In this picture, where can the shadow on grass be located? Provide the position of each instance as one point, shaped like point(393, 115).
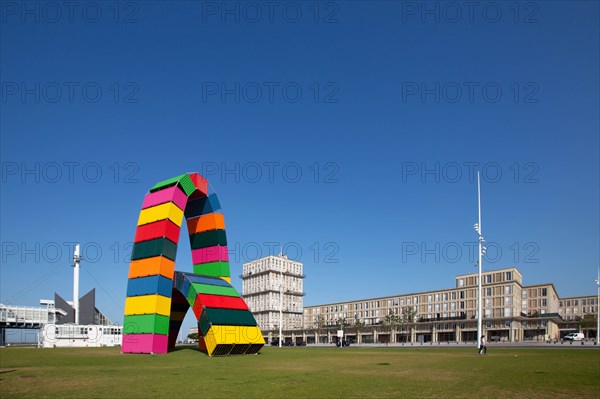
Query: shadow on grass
point(7, 371)
point(186, 348)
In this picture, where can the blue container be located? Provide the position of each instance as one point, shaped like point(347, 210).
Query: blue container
point(199, 279)
point(202, 206)
point(185, 287)
point(149, 285)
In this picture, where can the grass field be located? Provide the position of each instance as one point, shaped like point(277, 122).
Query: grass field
point(302, 372)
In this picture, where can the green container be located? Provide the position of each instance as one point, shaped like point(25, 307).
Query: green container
point(187, 184)
point(156, 247)
point(192, 294)
point(168, 183)
point(224, 317)
point(216, 269)
point(146, 324)
point(208, 239)
point(184, 181)
point(213, 290)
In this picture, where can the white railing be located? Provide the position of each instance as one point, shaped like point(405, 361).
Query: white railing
point(26, 314)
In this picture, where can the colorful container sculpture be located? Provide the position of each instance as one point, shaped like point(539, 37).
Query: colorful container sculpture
point(158, 297)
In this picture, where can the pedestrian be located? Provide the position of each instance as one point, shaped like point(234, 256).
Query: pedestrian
point(482, 347)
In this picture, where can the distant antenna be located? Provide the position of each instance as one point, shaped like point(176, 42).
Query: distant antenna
point(76, 260)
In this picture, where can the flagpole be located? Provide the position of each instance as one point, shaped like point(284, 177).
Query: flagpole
point(480, 239)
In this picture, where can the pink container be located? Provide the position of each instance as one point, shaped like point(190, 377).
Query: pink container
point(173, 194)
point(209, 254)
point(145, 343)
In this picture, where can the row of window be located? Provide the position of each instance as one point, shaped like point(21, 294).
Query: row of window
point(575, 302)
point(487, 279)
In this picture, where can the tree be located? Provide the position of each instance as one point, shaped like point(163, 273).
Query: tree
point(357, 327)
point(342, 323)
point(193, 336)
point(319, 324)
point(408, 317)
point(587, 321)
point(392, 321)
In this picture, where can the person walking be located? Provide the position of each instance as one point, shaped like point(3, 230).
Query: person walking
point(482, 347)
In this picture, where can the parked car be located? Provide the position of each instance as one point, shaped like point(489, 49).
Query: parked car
point(301, 343)
point(573, 337)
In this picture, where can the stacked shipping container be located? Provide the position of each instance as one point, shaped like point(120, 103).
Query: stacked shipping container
point(157, 302)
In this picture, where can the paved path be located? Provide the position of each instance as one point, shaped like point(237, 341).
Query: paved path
point(525, 344)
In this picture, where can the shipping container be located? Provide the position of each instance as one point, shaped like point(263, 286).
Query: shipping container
point(156, 247)
point(211, 221)
point(149, 285)
point(210, 254)
point(171, 194)
point(159, 212)
point(195, 278)
point(147, 304)
point(200, 183)
point(207, 239)
point(184, 181)
point(152, 266)
point(202, 206)
point(162, 228)
point(225, 317)
point(223, 302)
point(146, 324)
point(145, 343)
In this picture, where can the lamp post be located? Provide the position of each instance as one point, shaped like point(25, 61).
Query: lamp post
point(280, 305)
point(598, 310)
point(482, 250)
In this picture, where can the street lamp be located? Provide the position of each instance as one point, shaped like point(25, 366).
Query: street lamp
point(598, 310)
point(280, 306)
point(482, 251)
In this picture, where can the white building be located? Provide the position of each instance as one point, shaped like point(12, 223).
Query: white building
point(262, 281)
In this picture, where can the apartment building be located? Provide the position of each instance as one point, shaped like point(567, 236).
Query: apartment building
point(511, 312)
point(270, 284)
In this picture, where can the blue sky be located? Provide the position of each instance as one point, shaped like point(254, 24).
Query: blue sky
point(348, 133)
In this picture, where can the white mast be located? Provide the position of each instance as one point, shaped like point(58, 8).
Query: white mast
point(280, 298)
point(479, 331)
point(482, 250)
point(598, 310)
point(76, 259)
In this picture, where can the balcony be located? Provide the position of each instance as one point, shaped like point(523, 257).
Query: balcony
point(264, 272)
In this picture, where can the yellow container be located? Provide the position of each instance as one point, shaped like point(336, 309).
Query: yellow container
point(159, 212)
point(218, 335)
point(228, 279)
point(147, 304)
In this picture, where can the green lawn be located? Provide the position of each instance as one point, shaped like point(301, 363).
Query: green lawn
point(302, 372)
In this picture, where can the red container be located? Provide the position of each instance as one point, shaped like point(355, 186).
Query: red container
point(162, 228)
point(200, 182)
point(223, 302)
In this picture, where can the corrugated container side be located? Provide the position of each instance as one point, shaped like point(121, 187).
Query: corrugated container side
point(208, 239)
point(216, 269)
point(162, 228)
point(210, 254)
point(156, 247)
point(171, 194)
point(167, 183)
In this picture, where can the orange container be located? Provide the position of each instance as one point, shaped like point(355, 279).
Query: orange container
point(211, 221)
point(151, 267)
